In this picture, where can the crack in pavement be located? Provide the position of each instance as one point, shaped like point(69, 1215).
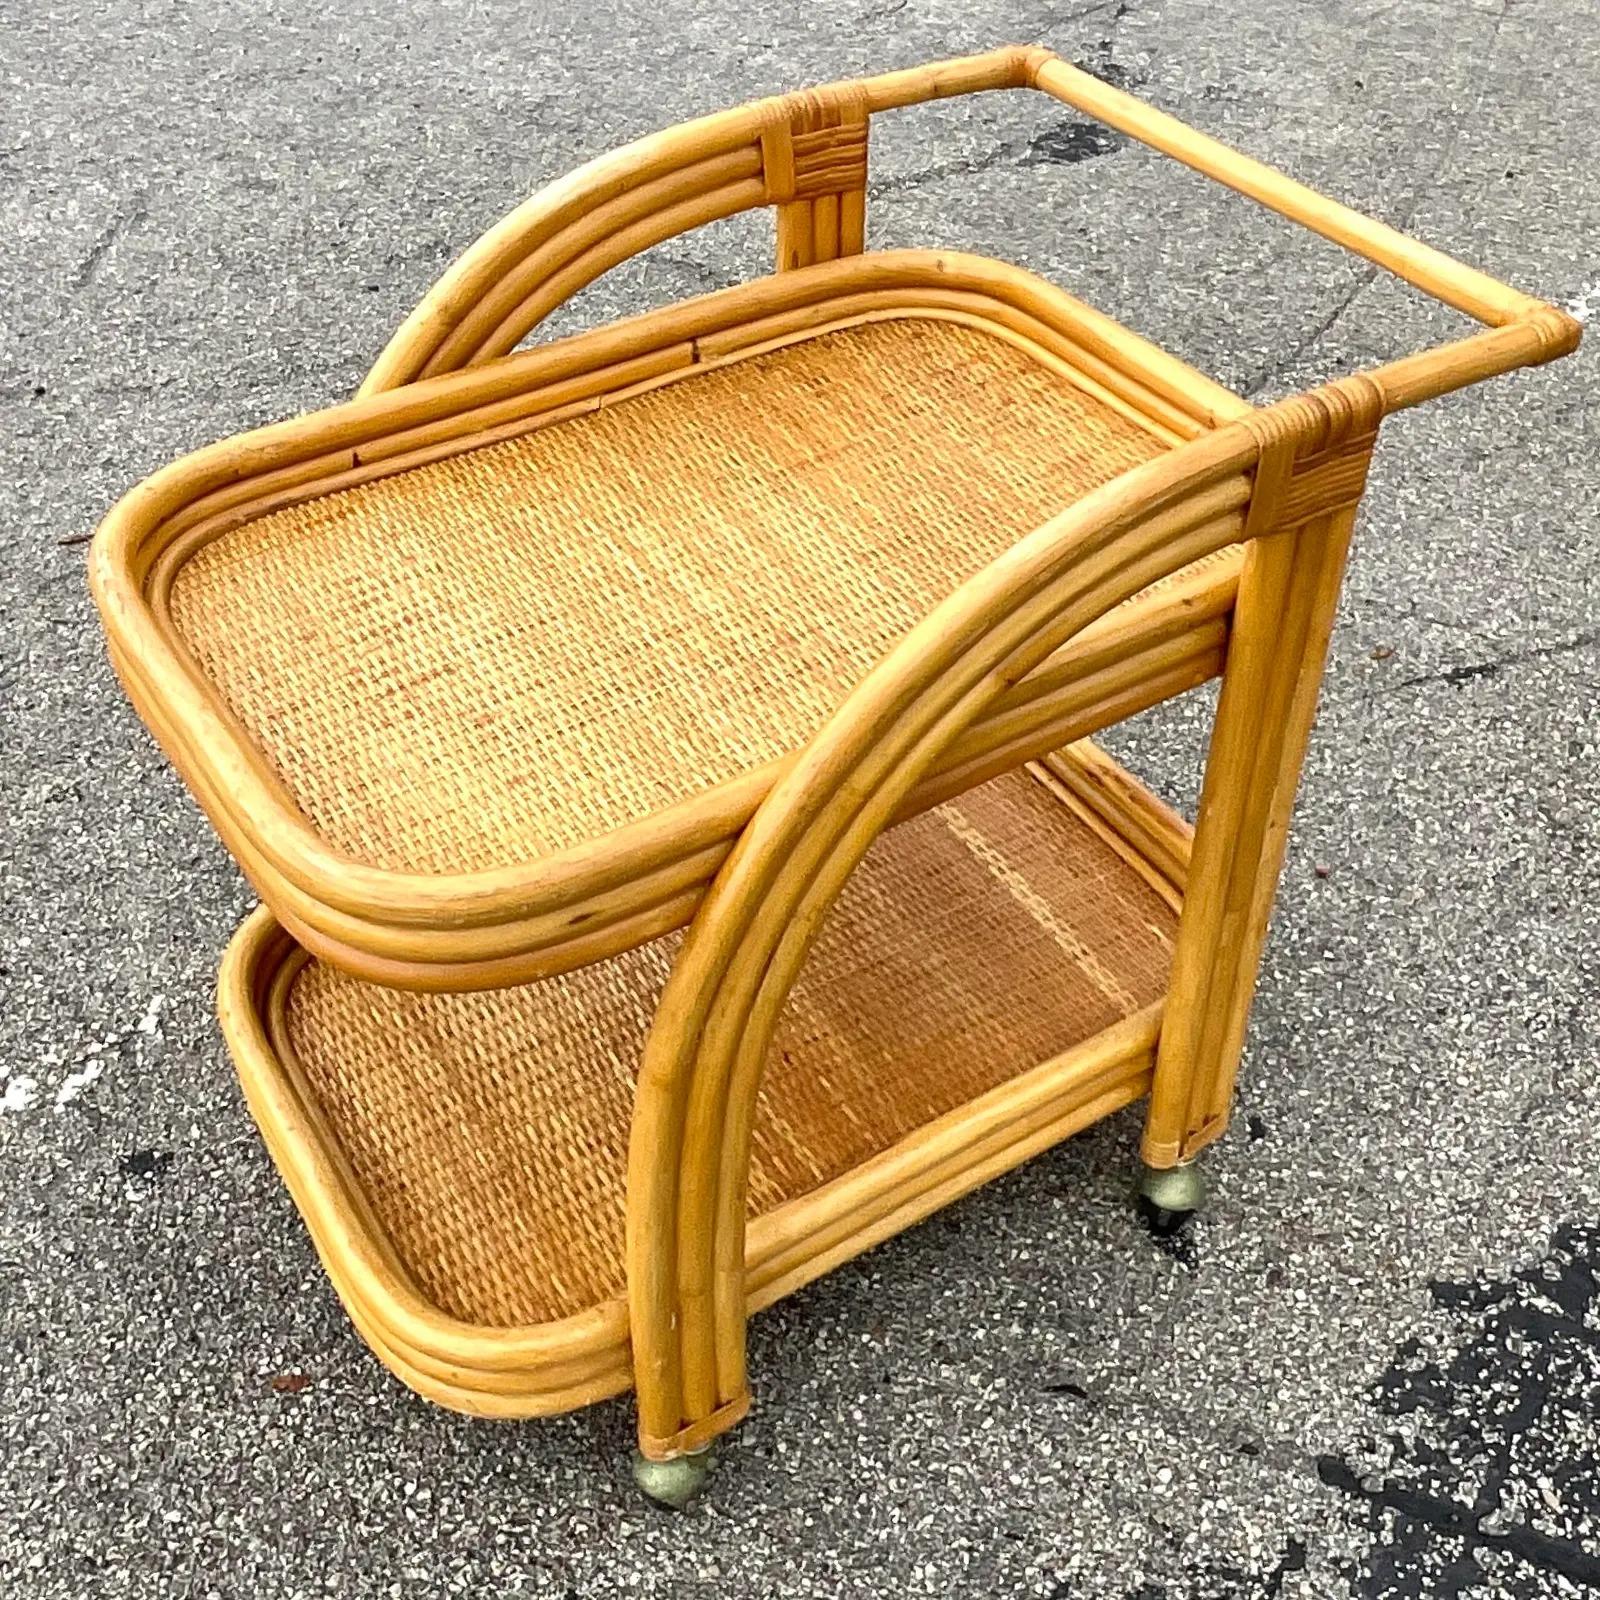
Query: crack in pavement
point(1487, 669)
point(1252, 385)
point(966, 166)
point(697, 270)
point(1411, 611)
point(107, 238)
point(1060, 19)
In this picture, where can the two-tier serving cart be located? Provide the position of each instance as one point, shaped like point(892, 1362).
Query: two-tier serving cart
point(662, 753)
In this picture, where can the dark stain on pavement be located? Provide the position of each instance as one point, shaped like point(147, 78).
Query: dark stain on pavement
point(1486, 1486)
point(1181, 1245)
point(1070, 141)
point(144, 1165)
point(1490, 1472)
point(1075, 139)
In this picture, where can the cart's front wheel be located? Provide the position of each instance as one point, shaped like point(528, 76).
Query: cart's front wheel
point(672, 1483)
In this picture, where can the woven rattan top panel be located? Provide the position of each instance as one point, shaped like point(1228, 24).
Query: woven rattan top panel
point(489, 1131)
point(485, 659)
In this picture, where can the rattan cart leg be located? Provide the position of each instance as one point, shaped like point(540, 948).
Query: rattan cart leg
point(1311, 474)
point(1286, 601)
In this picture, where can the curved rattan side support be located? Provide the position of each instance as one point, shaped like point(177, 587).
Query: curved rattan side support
point(803, 153)
point(690, 1143)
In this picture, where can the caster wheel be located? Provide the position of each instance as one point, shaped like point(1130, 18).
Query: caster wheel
point(673, 1483)
point(1168, 1197)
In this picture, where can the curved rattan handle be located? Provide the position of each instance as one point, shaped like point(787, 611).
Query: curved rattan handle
point(566, 236)
point(804, 154)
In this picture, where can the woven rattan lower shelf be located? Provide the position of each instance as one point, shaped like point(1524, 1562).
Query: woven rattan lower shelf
point(461, 1160)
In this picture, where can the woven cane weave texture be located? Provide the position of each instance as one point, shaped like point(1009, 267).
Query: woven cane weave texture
point(488, 658)
point(490, 1130)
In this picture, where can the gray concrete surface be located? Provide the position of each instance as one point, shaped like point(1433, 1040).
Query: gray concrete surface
point(1375, 1373)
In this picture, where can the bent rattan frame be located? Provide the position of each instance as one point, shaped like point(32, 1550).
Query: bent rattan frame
point(1061, 635)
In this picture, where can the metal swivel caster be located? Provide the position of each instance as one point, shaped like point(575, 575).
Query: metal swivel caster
point(676, 1482)
point(1169, 1196)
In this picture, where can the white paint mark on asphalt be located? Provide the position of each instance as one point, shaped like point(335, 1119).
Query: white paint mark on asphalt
point(1585, 303)
point(20, 1093)
point(75, 1083)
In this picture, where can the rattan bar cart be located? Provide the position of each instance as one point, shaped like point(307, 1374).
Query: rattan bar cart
point(782, 616)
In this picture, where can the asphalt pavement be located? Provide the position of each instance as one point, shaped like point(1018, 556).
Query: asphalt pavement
point(1374, 1367)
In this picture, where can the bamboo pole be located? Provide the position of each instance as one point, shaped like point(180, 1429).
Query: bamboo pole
point(1154, 830)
